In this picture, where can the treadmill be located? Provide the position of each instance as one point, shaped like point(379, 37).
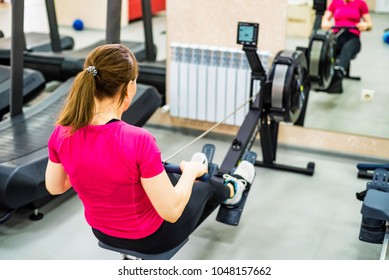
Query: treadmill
point(24, 136)
point(41, 42)
point(33, 80)
point(64, 64)
point(33, 83)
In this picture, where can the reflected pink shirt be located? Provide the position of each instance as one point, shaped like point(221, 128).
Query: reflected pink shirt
point(348, 14)
point(105, 164)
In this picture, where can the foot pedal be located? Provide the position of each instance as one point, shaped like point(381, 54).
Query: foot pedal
point(228, 214)
point(209, 151)
point(379, 181)
point(250, 157)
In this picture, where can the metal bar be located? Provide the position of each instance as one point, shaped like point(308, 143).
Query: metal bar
point(17, 64)
point(254, 61)
point(148, 28)
point(320, 6)
point(242, 142)
point(268, 143)
point(114, 13)
point(53, 25)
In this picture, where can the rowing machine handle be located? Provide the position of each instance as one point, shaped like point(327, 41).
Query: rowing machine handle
point(174, 168)
point(344, 27)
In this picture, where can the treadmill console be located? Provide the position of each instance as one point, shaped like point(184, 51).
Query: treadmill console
point(247, 34)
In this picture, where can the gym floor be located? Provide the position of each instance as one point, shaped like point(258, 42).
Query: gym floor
point(287, 216)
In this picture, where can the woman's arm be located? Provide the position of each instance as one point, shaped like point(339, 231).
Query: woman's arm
point(168, 200)
point(366, 23)
point(326, 20)
point(57, 181)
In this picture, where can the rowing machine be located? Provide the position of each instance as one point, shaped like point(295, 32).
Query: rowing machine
point(229, 215)
point(281, 97)
point(375, 210)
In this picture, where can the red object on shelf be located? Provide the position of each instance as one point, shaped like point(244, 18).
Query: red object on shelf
point(135, 8)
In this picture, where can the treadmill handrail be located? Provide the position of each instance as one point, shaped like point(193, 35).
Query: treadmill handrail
point(112, 31)
point(17, 49)
point(148, 29)
point(53, 25)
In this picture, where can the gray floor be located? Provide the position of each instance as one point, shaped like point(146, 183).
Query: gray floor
point(287, 216)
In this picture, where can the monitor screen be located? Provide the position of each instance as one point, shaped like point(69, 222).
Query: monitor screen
point(247, 33)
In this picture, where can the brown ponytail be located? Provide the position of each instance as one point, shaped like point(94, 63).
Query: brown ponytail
point(107, 70)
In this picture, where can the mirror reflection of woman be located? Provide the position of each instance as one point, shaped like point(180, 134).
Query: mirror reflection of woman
point(346, 13)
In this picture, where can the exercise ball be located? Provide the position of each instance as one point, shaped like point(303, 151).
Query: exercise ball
point(78, 24)
point(386, 37)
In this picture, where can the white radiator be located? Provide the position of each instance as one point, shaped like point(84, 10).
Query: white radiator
point(209, 83)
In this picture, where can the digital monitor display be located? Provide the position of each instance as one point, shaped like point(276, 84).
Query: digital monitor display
point(247, 33)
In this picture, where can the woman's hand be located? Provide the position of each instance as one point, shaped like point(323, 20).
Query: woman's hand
point(326, 25)
point(363, 26)
point(171, 201)
point(196, 166)
point(326, 20)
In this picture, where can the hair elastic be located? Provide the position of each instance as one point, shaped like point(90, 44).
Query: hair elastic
point(92, 69)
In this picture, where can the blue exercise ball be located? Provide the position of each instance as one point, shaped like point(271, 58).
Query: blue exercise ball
point(386, 37)
point(78, 24)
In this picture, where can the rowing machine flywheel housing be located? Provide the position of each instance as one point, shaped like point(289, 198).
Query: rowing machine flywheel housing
point(321, 58)
point(289, 77)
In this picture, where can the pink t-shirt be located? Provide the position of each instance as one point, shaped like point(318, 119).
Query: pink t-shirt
point(105, 164)
point(348, 14)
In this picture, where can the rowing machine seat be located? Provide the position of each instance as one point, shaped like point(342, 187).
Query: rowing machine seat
point(134, 255)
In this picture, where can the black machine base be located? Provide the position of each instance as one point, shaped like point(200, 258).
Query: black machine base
point(309, 170)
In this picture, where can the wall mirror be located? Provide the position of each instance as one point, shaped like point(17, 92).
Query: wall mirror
point(362, 108)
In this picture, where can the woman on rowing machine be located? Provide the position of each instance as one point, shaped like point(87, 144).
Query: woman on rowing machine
point(116, 168)
point(354, 17)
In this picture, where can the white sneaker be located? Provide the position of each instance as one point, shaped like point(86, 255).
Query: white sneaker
point(242, 176)
point(200, 157)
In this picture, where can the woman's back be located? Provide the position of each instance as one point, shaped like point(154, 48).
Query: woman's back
point(105, 164)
